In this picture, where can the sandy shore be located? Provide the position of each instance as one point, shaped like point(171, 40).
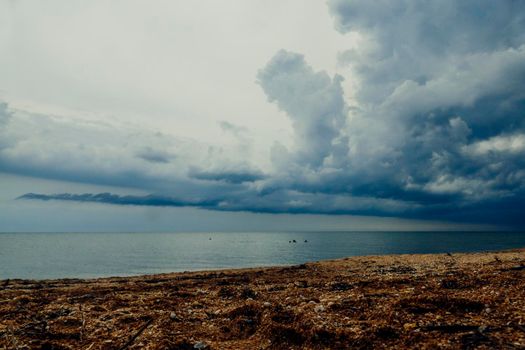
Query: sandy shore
point(459, 301)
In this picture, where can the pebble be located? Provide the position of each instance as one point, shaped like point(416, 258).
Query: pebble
point(173, 316)
point(200, 345)
point(319, 308)
point(267, 304)
point(409, 326)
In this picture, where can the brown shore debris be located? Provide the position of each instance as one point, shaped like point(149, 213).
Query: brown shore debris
point(434, 301)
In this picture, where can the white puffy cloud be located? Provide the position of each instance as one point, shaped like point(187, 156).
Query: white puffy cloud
point(513, 144)
point(313, 100)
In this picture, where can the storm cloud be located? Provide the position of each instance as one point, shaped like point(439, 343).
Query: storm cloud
point(438, 116)
point(438, 82)
point(434, 127)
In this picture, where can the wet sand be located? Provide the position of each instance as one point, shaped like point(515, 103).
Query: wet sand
point(449, 301)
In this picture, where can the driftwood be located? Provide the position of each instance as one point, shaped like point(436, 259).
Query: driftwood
point(451, 328)
point(135, 336)
point(515, 268)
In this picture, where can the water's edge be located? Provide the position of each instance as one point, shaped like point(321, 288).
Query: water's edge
point(97, 255)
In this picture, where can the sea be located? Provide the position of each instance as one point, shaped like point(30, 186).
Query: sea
point(89, 255)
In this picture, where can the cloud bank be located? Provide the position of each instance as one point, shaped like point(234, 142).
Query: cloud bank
point(435, 127)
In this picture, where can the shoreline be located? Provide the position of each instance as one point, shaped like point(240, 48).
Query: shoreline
point(247, 269)
point(460, 300)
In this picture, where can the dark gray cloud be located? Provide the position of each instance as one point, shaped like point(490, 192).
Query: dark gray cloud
point(154, 156)
point(232, 176)
point(501, 211)
point(108, 198)
point(281, 201)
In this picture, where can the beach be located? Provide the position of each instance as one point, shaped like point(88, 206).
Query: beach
point(449, 301)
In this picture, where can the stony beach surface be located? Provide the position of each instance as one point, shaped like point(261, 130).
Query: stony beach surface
point(436, 301)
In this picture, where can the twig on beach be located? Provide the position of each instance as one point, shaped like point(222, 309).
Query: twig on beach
point(450, 328)
point(83, 323)
point(132, 339)
point(515, 268)
point(519, 327)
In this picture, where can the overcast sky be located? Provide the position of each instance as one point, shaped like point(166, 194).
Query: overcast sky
point(262, 115)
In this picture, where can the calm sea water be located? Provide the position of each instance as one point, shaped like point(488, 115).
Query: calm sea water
point(60, 255)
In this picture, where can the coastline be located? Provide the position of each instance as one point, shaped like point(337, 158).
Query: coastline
point(464, 300)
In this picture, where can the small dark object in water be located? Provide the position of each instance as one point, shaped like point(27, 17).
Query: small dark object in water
point(289, 241)
point(294, 241)
point(305, 241)
point(210, 238)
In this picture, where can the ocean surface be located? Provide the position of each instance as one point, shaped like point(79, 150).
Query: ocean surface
point(84, 255)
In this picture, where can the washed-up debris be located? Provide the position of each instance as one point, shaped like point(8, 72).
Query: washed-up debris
point(340, 286)
point(388, 302)
point(515, 268)
point(451, 328)
point(200, 345)
point(135, 336)
point(319, 308)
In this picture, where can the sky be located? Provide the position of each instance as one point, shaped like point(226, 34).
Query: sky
point(262, 115)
